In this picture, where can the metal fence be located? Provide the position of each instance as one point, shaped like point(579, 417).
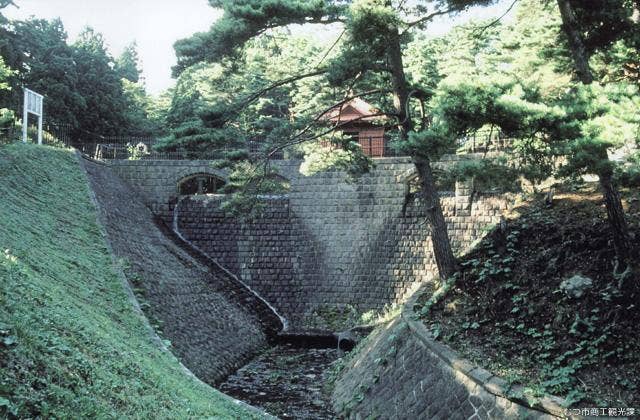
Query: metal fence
point(136, 148)
point(140, 151)
point(60, 133)
point(476, 142)
point(482, 141)
point(9, 134)
point(52, 133)
point(143, 147)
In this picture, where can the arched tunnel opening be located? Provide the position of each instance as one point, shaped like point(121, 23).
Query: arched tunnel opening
point(200, 183)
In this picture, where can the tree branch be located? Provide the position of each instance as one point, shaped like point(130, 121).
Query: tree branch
point(296, 139)
point(279, 83)
point(480, 31)
point(571, 28)
point(419, 94)
point(5, 3)
point(430, 16)
point(327, 21)
point(336, 127)
point(330, 48)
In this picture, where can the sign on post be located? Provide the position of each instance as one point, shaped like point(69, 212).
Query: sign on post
point(32, 104)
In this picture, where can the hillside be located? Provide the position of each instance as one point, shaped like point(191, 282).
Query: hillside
point(538, 303)
point(71, 344)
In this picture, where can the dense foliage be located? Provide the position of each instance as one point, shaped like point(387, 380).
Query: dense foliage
point(84, 87)
point(262, 90)
point(513, 310)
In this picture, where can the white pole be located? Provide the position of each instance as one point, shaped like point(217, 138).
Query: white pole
point(25, 118)
point(40, 118)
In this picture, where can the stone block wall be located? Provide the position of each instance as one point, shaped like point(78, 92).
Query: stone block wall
point(399, 372)
point(269, 253)
point(336, 243)
point(214, 323)
point(156, 181)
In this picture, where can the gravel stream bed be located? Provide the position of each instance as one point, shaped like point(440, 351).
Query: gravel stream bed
point(286, 381)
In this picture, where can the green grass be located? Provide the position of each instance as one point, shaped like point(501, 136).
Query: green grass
point(71, 345)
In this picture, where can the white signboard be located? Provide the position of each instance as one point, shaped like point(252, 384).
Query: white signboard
point(32, 104)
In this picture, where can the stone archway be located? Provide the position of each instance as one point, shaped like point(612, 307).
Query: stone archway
point(199, 183)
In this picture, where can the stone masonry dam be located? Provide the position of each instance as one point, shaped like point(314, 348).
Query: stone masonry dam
point(331, 245)
point(313, 261)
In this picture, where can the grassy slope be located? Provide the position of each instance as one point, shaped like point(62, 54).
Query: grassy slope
point(70, 343)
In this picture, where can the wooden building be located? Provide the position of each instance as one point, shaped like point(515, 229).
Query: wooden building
point(361, 121)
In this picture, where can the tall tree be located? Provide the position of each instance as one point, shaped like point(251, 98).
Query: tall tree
point(127, 65)
point(43, 61)
point(7, 116)
point(572, 30)
point(376, 35)
point(137, 110)
point(205, 91)
point(99, 85)
point(591, 153)
point(5, 74)
point(137, 101)
point(79, 82)
point(3, 22)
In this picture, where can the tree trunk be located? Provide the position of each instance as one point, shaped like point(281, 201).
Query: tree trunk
point(576, 43)
point(617, 222)
point(613, 204)
point(400, 87)
point(445, 260)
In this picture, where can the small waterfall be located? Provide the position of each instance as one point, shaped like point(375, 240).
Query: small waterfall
point(176, 230)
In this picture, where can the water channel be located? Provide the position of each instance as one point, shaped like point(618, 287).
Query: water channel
point(287, 380)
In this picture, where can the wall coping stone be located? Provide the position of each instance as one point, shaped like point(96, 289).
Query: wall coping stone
point(287, 162)
point(495, 385)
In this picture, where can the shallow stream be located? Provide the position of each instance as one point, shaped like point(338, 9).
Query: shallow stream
point(287, 381)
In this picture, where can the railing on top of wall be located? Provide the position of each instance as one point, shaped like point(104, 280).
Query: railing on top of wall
point(477, 142)
point(485, 141)
point(142, 147)
point(136, 148)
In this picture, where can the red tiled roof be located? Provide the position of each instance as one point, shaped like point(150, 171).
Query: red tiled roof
point(352, 110)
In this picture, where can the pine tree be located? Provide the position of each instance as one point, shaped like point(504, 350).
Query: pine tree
point(376, 35)
point(99, 85)
point(127, 65)
point(592, 153)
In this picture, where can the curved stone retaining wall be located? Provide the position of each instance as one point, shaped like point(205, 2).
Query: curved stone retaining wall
point(213, 323)
point(401, 373)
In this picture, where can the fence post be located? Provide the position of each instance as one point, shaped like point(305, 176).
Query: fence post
point(40, 118)
point(25, 118)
